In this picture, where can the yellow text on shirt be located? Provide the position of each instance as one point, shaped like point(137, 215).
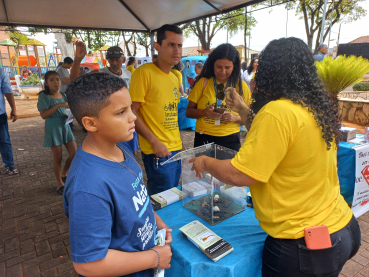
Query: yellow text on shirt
point(159, 97)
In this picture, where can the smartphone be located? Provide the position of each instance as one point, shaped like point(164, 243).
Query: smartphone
point(317, 237)
point(219, 110)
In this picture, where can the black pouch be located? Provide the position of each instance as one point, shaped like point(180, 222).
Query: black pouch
point(320, 262)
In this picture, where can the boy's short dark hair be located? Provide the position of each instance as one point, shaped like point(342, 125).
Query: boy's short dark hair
point(89, 94)
point(160, 34)
point(68, 60)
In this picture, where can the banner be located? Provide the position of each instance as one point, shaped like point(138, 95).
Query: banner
point(360, 204)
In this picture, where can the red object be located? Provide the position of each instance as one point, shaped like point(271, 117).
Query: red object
point(26, 74)
point(317, 237)
point(365, 173)
point(190, 80)
point(92, 66)
point(22, 60)
point(364, 202)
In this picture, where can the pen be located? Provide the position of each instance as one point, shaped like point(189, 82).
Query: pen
point(157, 162)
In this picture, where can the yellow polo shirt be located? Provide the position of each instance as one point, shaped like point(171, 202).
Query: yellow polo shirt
point(206, 97)
point(297, 176)
point(159, 97)
point(131, 68)
point(178, 74)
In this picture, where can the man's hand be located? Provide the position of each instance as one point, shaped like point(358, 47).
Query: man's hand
point(198, 165)
point(234, 101)
point(209, 113)
point(80, 50)
point(13, 116)
point(160, 150)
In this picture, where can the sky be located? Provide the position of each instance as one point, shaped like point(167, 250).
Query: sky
point(271, 25)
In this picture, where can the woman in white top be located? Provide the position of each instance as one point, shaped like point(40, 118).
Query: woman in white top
point(247, 75)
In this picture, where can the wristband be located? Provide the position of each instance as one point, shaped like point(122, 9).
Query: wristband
point(157, 269)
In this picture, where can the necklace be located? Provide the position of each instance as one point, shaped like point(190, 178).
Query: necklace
point(124, 152)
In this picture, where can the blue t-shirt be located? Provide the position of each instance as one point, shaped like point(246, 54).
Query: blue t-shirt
point(5, 87)
point(108, 208)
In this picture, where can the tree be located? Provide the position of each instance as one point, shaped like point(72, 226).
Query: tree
point(144, 40)
point(206, 29)
point(311, 11)
point(19, 38)
point(127, 41)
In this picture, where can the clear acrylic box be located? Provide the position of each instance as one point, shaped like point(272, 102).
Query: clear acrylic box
point(209, 198)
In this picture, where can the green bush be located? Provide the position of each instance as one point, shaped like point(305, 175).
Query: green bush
point(361, 87)
point(31, 80)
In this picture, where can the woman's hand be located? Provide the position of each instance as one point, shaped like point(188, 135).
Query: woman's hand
point(209, 113)
point(230, 117)
point(234, 101)
point(165, 253)
point(198, 165)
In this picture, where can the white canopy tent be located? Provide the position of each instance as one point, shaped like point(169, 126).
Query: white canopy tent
point(124, 15)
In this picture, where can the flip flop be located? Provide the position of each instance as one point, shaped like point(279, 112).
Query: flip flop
point(60, 190)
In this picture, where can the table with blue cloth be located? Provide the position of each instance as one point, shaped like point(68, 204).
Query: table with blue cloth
point(183, 121)
point(242, 231)
point(346, 158)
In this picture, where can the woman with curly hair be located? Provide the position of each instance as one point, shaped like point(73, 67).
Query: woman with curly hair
point(289, 162)
point(215, 121)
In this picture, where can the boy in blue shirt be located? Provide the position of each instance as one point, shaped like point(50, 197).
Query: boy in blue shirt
point(111, 221)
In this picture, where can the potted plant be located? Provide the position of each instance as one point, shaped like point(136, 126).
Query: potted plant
point(342, 72)
point(31, 86)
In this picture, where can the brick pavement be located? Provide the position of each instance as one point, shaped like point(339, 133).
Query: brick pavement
point(33, 226)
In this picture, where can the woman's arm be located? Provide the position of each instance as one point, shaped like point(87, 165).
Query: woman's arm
point(223, 170)
point(119, 263)
point(193, 112)
point(235, 102)
point(47, 113)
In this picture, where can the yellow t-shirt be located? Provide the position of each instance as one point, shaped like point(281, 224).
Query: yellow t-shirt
point(205, 98)
point(159, 97)
point(178, 74)
point(131, 68)
point(297, 177)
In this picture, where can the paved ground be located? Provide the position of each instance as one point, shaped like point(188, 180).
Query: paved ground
point(33, 227)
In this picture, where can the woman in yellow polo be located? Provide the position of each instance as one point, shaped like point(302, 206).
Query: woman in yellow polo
point(289, 161)
point(131, 64)
point(215, 121)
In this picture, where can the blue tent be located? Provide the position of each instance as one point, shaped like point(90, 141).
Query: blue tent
point(188, 73)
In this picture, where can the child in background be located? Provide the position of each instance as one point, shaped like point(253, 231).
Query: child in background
point(52, 104)
point(111, 221)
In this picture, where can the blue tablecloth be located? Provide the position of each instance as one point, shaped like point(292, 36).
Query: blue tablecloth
point(346, 170)
point(183, 121)
point(242, 231)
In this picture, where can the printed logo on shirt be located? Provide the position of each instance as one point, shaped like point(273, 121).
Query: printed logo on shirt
point(171, 116)
point(137, 182)
point(175, 92)
point(141, 201)
point(146, 232)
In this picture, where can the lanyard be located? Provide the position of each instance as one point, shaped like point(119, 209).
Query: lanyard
point(218, 102)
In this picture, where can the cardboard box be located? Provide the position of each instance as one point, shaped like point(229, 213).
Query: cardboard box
point(348, 133)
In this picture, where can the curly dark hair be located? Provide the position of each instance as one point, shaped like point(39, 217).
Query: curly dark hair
point(223, 51)
point(89, 94)
point(286, 69)
point(250, 68)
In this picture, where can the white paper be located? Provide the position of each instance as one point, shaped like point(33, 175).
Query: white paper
point(161, 242)
point(169, 196)
point(70, 116)
point(360, 203)
point(217, 121)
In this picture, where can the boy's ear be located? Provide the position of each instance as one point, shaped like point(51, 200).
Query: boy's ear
point(89, 122)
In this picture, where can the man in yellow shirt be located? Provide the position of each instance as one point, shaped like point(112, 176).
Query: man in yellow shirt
point(289, 162)
point(177, 70)
point(154, 92)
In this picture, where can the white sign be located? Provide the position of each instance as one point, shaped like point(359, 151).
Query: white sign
point(360, 204)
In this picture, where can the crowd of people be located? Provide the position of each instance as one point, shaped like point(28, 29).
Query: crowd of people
point(288, 159)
